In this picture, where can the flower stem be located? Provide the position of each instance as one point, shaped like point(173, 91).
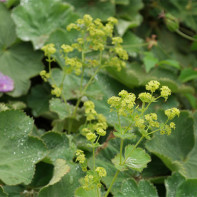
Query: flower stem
point(114, 179)
point(121, 148)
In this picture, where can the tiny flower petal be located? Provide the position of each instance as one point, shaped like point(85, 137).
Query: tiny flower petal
point(6, 83)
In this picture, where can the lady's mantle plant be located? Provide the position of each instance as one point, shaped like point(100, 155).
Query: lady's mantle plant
point(95, 49)
point(125, 104)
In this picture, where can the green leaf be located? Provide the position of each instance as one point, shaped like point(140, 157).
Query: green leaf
point(131, 188)
point(7, 31)
point(2, 193)
point(96, 8)
point(136, 158)
point(178, 186)
point(131, 12)
point(132, 43)
point(66, 186)
point(188, 188)
point(181, 141)
point(124, 25)
point(187, 14)
point(17, 61)
point(188, 74)
point(14, 191)
point(80, 192)
point(19, 152)
point(172, 63)
point(60, 169)
point(122, 2)
point(149, 61)
point(31, 26)
point(38, 99)
point(62, 109)
point(43, 174)
point(59, 145)
point(172, 183)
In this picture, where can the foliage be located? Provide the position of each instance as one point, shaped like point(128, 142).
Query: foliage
point(102, 118)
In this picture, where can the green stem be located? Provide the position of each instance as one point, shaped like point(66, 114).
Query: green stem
point(93, 155)
point(113, 180)
point(121, 148)
point(98, 192)
point(185, 35)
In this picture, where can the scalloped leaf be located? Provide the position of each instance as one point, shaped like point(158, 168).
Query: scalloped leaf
point(59, 145)
point(131, 188)
point(136, 159)
point(2, 193)
point(177, 186)
point(19, 152)
point(177, 151)
point(38, 99)
point(96, 8)
point(80, 192)
point(66, 186)
point(62, 109)
point(172, 183)
point(131, 12)
point(31, 26)
point(18, 61)
point(60, 169)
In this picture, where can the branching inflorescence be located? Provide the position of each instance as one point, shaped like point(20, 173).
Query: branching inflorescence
point(94, 36)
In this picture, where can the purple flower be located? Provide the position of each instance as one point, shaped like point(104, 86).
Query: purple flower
point(2, 0)
point(6, 83)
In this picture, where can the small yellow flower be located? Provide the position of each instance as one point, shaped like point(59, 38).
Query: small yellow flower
point(101, 171)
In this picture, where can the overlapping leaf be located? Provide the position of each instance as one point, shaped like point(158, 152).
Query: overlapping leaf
point(19, 152)
point(17, 61)
point(36, 20)
point(177, 151)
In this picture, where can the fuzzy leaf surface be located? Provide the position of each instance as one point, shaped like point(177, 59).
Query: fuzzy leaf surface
point(19, 152)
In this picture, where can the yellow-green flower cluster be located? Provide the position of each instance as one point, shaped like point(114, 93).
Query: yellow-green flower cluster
point(171, 113)
point(167, 129)
point(101, 171)
point(116, 62)
point(122, 104)
point(146, 97)
point(165, 92)
point(49, 49)
point(97, 123)
point(81, 159)
point(75, 65)
point(96, 32)
point(90, 110)
point(152, 120)
point(94, 36)
point(118, 49)
point(44, 75)
point(125, 105)
point(80, 156)
point(67, 48)
point(56, 91)
point(93, 178)
point(152, 86)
